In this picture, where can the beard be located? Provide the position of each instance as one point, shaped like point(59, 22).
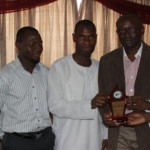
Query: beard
point(35, 61)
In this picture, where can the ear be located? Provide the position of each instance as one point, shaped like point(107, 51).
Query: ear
point(18, 45)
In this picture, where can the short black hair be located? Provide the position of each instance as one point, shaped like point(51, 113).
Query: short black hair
point(86, 23)
point(129, 16)
point(22, 31)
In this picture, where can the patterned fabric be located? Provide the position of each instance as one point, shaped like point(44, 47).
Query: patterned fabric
point(23, 98)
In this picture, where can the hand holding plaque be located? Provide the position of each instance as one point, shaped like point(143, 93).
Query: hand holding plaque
point(117, 100)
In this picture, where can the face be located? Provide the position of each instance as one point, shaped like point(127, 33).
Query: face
point(130, 33)
point(30, 48)
point(85, 39)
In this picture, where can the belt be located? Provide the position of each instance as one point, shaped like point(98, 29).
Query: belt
point(32, 135)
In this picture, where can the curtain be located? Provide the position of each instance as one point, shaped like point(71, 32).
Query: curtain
point(16, 5)
point(105, 22)
point(86, 10)
point(124, 6)
point(2, 41)
point(108, 32)
point(55, 22)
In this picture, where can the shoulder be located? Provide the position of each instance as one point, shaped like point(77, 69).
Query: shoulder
point(112, 55)
point(146, 46)
point(7, 71)
point(43, 69)
point(62, 62)
point(61, 68)
point(95, 62)
point(145, 51)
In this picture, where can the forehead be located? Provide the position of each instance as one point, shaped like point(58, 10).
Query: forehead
point(30, 33)
point(128, 22)
point(83, 29)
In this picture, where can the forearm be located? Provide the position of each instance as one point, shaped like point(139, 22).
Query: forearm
point(71, 109)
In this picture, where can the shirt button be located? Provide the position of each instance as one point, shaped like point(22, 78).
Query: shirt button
point(32, 86)
point(131, 90)
point(36, 109)
point(131, 77)
point(35, 98)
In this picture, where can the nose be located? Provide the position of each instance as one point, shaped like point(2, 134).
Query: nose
point(86, 39)
point(127, 33)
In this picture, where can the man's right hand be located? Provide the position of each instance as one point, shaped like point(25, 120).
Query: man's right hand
point(99, 100)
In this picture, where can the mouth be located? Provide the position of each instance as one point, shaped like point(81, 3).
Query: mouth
point(37, 54)
point(128, 41)
point(87, 48)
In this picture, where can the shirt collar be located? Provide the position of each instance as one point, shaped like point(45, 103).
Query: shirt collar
point(139, 52)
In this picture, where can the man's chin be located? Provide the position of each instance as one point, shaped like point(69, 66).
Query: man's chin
point(36, 61)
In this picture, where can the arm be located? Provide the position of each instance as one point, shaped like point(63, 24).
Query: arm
point(104, 111)
point(3, 89)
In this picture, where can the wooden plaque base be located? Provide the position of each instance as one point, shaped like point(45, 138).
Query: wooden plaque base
point(117, 100)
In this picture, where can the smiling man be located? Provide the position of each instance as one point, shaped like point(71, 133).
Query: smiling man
point(129, 68)
point(24, 114)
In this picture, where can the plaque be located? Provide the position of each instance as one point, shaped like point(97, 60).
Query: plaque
point(117, 100)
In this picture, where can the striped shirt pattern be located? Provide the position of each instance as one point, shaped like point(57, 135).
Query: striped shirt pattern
point(23, 98)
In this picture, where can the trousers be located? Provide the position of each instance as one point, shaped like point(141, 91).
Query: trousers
point(127, 139)
point(15, 142)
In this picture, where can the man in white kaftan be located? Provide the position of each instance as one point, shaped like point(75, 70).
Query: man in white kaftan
point(71, 89)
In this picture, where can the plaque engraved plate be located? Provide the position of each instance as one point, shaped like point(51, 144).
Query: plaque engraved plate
point(117, 100)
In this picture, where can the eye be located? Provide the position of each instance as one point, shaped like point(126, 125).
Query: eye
point(121, 31)
point(92, 37)
point(129, 30)
point(81, 37)
point(133, 29)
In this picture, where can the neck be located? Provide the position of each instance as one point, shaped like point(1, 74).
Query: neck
point(28, 66)
point(131, 52)
point(82, 60)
